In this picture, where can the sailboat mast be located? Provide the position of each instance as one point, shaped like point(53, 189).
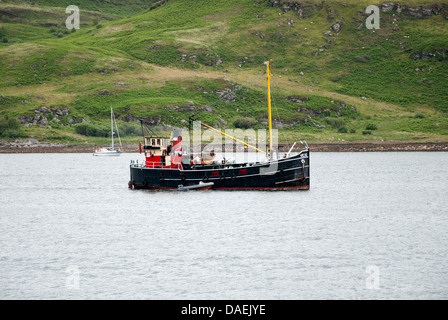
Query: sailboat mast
point(112, 126)
point(268, 79)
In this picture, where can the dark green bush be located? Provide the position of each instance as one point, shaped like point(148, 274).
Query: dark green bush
point(91, 130)
point(342, 130)
point(366, 133)
point(11, 128)
point(336, 123)
point(59, 31)
point(102, 130)
point(371, 126)
point(129, 128)
point(419, 116)
point(244, 123)
point(335, 79)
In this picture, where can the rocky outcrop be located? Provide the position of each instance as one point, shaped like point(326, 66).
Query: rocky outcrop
point(342, 104)
point(311, 113)
point(122, 84)
point(104, 92)
point(302, 10)
point(418, 12)
point(206, 57)
point(297, 99)
point(227, 94)
point(43, 117)
point(318, 126)
point(189, 108)
point(422, 56)
point(212, 59)
point(151, 121)
point(251, 60)
point(306, 9)
point(425, 56)
point(336, 27)
point(387, 7)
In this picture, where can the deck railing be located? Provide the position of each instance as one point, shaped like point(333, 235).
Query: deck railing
point(153, 165)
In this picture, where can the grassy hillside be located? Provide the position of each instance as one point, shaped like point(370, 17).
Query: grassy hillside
point(115, 7)
point(164, 60)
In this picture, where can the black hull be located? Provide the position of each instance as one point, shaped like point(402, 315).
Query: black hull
point(283, 174)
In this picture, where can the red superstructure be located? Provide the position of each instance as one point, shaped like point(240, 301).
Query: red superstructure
point(160, 152)
point(166, 153)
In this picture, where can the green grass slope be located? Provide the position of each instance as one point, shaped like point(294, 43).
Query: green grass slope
point(165, 60)
point(115, 7)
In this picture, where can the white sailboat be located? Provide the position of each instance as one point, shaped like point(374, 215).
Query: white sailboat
point(110, 151)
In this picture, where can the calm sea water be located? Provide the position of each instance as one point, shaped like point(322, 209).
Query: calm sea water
point(373, 226)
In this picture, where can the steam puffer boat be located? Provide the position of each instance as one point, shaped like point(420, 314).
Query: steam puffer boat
point(166, 166)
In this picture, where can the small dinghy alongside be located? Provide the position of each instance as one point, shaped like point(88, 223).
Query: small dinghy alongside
point(200, 186)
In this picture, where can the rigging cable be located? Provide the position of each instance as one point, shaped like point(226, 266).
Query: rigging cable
point(226, 95)
point(278, 118)
point(118, 132)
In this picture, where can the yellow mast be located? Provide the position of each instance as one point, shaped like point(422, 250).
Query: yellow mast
point(268, 73)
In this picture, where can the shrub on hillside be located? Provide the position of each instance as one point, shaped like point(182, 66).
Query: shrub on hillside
point(59, 31)
point(336, 123)
point(101, 130)
point(244, 123)
point(129, 128)
point(90, 130)
point(11, 128)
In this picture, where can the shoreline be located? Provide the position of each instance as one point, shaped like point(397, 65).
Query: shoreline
point(317, 146)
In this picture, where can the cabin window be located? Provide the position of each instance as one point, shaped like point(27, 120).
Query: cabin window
point(158, 142)
point(153, 142)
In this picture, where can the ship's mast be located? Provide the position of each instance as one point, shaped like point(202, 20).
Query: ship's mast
point(268, 79)
point(112, 126)
point(269, 153)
